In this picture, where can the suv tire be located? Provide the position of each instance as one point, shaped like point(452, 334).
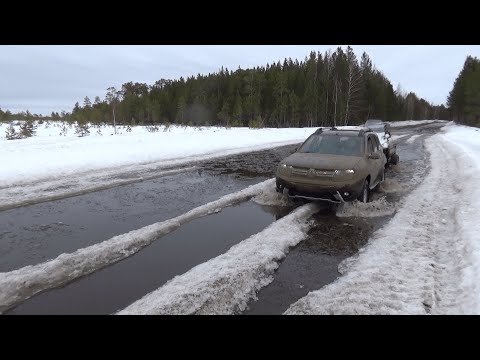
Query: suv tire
point(365, 194)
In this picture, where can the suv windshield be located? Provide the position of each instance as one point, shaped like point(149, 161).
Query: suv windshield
point(333, 145)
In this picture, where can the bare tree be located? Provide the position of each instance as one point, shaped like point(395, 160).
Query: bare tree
point(328, 73)
point(112, 97)
point(336, 98)
point(354, 82)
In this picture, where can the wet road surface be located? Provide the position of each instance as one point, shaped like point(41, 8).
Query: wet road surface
point(38, 232)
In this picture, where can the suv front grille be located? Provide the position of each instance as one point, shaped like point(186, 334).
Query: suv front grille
point(312, 172)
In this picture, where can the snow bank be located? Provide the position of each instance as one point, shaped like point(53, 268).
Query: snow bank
point(225, 284)
point(467, 229)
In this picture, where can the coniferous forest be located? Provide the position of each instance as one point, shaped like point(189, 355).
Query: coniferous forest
point(464, 99)
point(324, 89)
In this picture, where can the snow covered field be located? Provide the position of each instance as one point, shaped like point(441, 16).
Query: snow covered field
point(44, 156)
point(425, 260)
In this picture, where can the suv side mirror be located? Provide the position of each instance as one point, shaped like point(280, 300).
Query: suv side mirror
point(374, 156)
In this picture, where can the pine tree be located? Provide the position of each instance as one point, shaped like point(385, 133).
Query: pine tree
point(224, 116)
point(181, 107)
point(86, 102)
point(28, 128)
point(64, 129)
point(237, 111)
point(11, 134)
point(82, 129)
point(463, 99)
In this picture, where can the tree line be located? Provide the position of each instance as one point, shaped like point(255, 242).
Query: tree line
point(464, 99)
point(331, 88)
point(7, 115)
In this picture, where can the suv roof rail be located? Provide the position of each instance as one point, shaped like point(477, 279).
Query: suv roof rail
point(364, 130)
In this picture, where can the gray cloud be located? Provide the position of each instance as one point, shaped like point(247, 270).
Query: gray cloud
point(52, 78)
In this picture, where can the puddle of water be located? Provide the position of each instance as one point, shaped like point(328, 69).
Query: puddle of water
point(117, 286)
point(36, 233)
point(251, 165)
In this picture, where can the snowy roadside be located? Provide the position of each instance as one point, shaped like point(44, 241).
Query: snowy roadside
point(414, 122)
point(19, 285)
point(427, 258)
point(50, 167)
point(225, 284)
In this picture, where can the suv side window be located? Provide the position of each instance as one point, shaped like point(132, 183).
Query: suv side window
point(376, 143)
point(370, 145)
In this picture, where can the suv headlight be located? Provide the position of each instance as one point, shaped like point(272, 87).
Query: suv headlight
point(284, 169)
point(344, 174)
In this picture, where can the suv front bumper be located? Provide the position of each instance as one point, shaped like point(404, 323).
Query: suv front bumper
point(334, 193)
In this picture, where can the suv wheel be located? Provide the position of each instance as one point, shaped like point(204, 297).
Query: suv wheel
point(382, 179)
point(394, 159)
point(365, 194)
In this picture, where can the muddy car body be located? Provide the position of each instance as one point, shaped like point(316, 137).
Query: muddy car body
point(383, 131)
point(333, 165)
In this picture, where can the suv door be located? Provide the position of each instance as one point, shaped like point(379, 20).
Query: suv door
point(375, 165)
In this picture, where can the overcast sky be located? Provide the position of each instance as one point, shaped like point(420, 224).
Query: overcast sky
point(52, 78)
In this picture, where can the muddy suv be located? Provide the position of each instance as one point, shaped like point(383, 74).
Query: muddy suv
point(333, 165)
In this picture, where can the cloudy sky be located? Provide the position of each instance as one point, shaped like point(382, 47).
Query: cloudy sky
point(52, 78)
